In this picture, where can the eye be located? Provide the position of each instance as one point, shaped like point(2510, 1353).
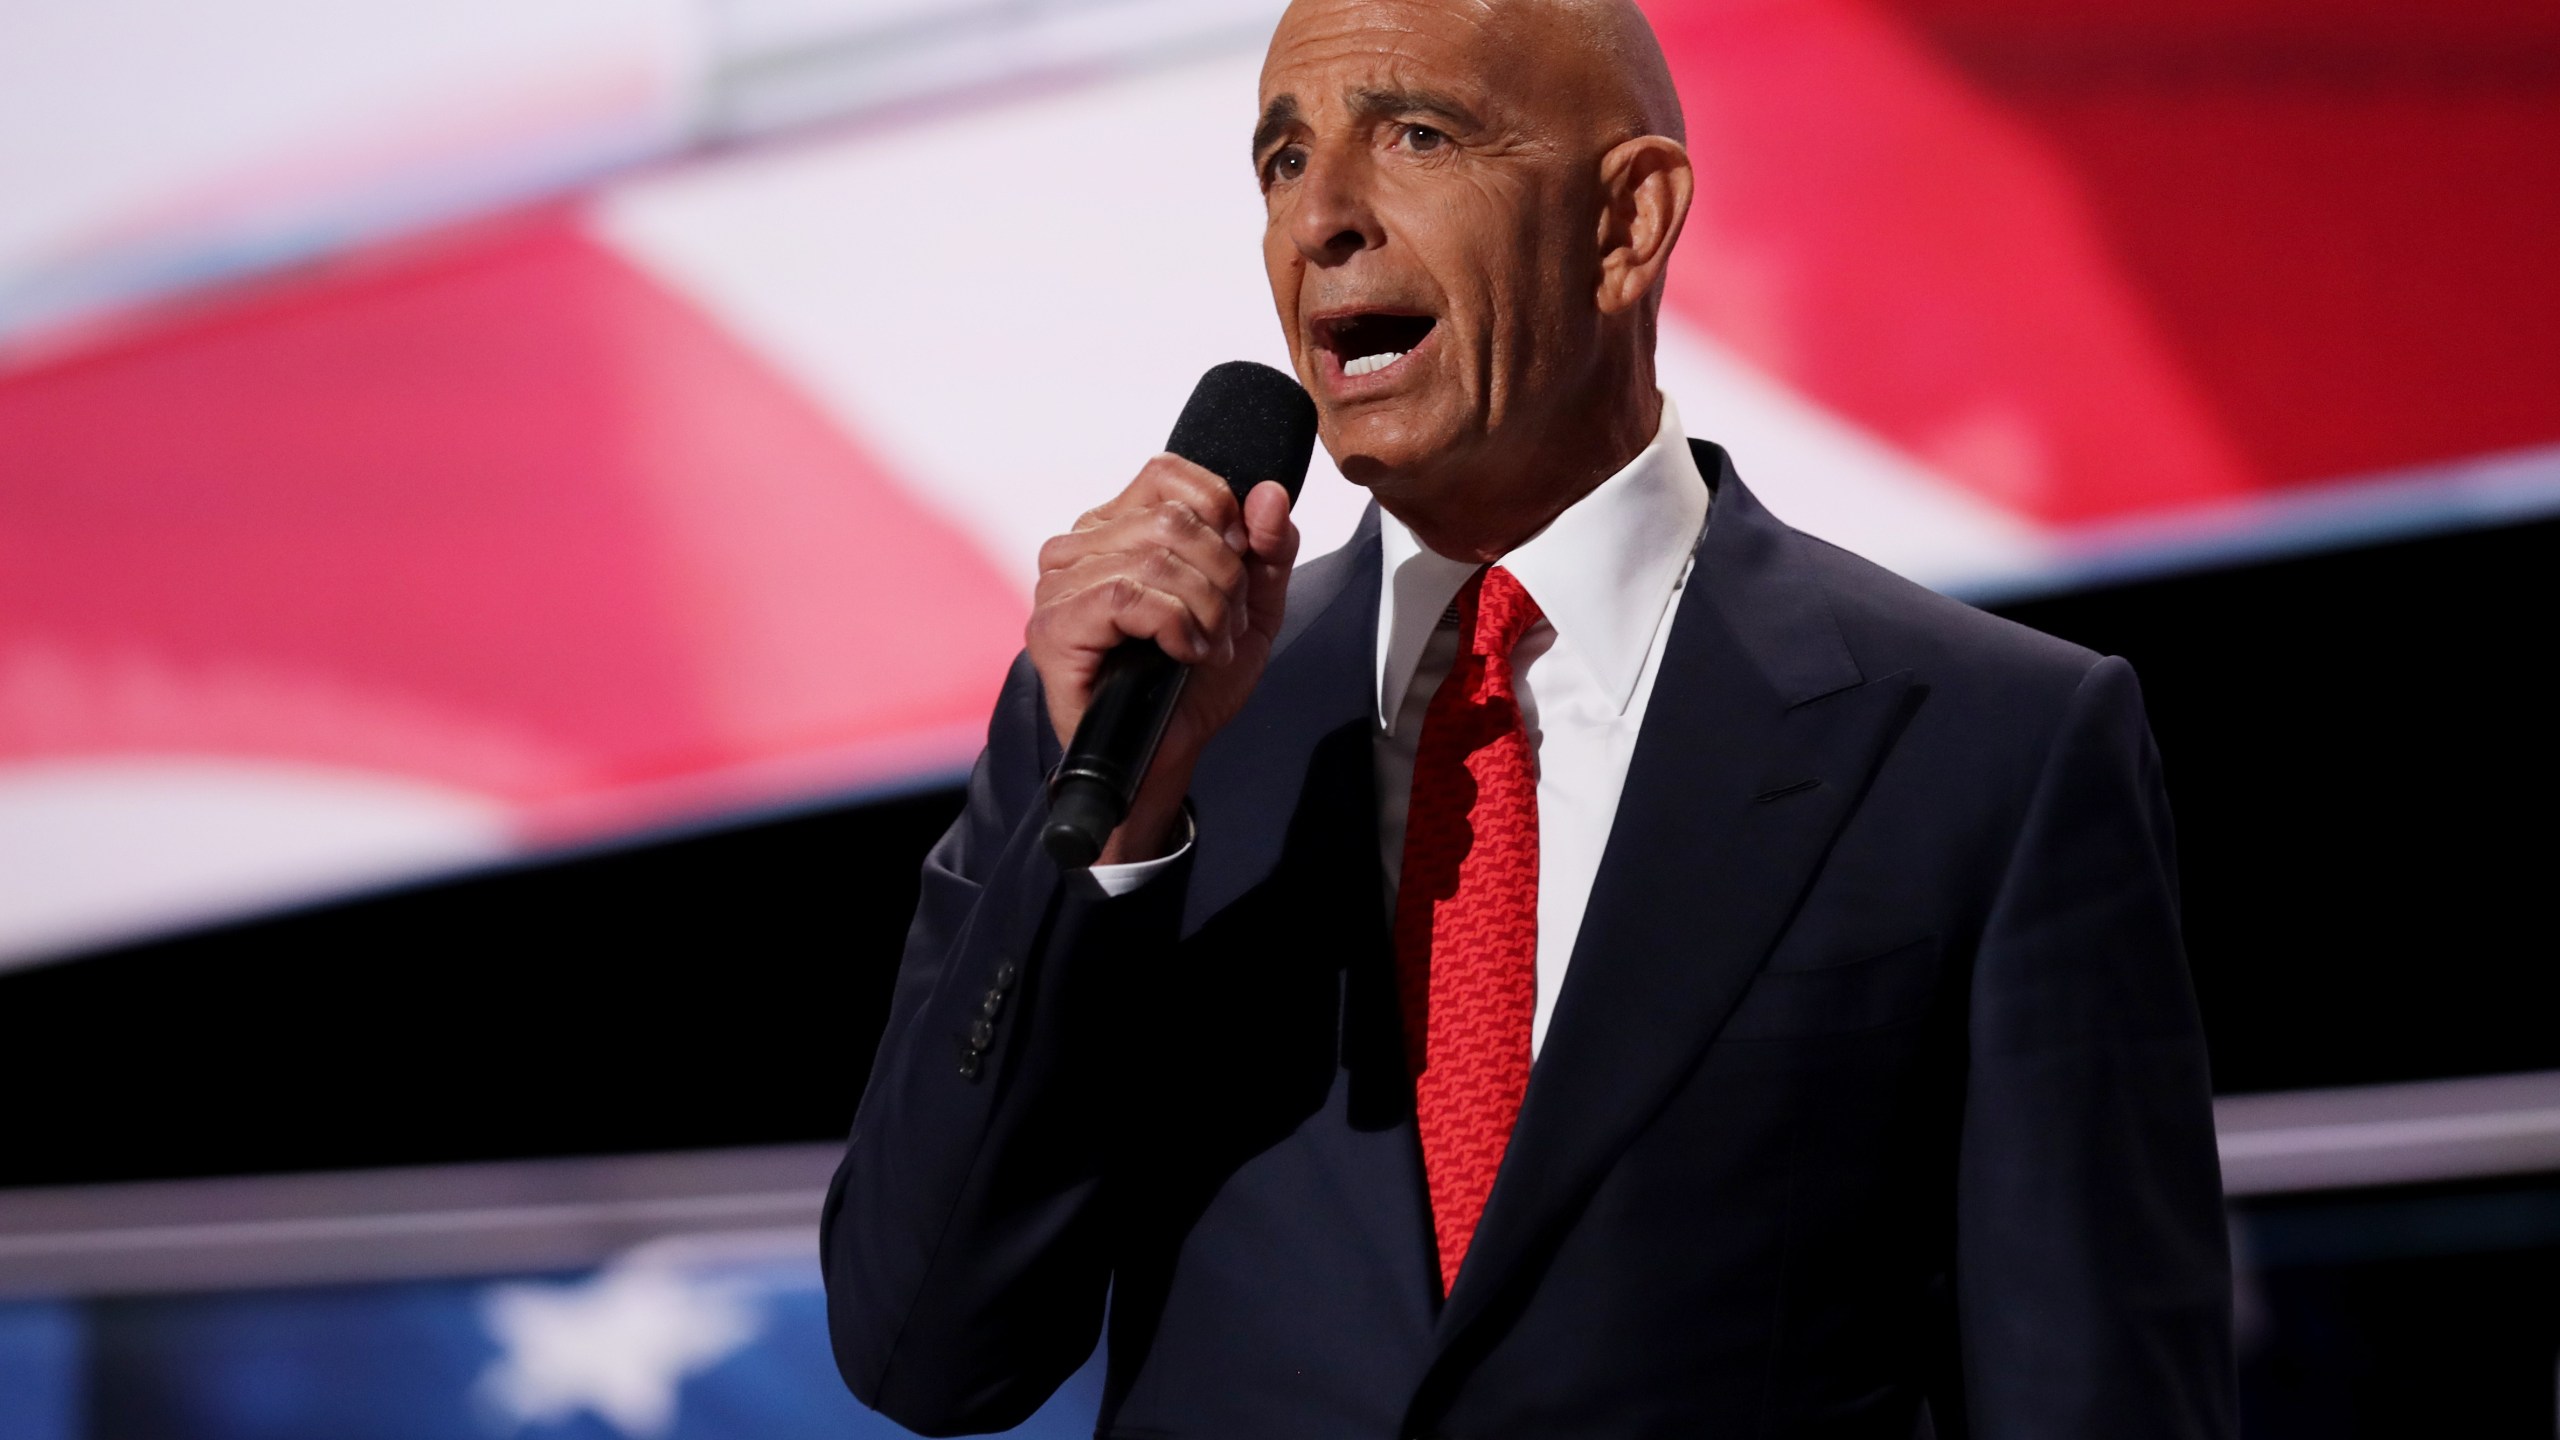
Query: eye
point(1286, 163)
point(1421, 139)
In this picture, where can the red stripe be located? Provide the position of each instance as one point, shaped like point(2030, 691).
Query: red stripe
point(504, 516)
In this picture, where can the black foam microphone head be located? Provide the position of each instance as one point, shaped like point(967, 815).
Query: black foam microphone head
point(1247, 423)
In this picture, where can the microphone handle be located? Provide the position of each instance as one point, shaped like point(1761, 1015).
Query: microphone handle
point(1133, 696)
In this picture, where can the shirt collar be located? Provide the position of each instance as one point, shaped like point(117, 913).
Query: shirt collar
point(1603, 572)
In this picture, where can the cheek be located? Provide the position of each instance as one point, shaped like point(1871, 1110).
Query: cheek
point(1484, 244)
point(1286, 271)
point(1543, 286)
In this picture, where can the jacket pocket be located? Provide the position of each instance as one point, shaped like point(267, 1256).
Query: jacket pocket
point(1891, 988)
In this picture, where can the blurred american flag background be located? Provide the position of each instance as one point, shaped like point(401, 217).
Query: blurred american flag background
point(432, 435)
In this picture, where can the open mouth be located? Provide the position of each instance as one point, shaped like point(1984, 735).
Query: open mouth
point(1369, 342)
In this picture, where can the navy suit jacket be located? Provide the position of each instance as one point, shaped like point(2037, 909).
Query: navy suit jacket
point(1875, 1100)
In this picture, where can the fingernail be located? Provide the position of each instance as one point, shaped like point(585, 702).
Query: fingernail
point(1238, 538)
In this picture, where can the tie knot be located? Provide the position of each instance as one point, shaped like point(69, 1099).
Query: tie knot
point(1503, 612)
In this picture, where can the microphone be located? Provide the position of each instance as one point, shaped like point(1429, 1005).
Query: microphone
point(1245, 423)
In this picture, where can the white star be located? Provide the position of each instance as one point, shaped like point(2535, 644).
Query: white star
point(619, 1344)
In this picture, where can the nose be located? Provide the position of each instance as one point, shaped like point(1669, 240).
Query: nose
point(1333, 218)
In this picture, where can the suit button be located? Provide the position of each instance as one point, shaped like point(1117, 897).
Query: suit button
point(982, 1034)
point(1006, 974)
point(990, 1007)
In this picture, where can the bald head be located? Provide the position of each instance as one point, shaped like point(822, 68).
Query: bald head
point(1592, 60)
point(1600, 54)
point(1471, 204)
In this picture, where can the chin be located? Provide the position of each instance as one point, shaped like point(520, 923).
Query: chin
point(1386, 451)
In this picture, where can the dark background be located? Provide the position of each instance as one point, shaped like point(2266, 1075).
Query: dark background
point(2424, 1311)
point(2357, 744)
point(2360, 749)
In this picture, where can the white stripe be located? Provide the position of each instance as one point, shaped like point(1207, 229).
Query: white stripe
point(2389, 1135)
point(1823, 473)
point(673, 1212)
point(475, 1219)
point(1015, 366)
point(2413, 1133)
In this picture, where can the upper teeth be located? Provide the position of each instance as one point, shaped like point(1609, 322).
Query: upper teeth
point(1368, 364)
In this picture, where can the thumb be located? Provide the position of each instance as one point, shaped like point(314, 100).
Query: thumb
point(1274, 541)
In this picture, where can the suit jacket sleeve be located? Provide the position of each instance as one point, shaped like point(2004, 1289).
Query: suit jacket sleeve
point(965, 1239)
point(2092, 1274)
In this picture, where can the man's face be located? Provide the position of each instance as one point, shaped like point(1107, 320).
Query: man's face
point(1431, 234)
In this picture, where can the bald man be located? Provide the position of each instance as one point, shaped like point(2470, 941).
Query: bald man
point(1588, 960)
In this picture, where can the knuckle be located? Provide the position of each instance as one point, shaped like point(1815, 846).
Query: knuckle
point(1127, 591)
point(1208, 514)
point(1228, 568)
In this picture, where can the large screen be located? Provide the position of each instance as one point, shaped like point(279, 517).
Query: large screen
point(442, 434)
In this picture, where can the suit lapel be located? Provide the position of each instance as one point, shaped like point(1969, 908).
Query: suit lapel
point(1250, 785)
point(1758, 740)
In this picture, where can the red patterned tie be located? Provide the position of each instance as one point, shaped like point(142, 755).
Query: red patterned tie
point(1467, 914)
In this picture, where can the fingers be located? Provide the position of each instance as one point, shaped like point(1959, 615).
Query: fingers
point(1146, 536)
point(1174, 559)
point(1165, 560)
point(1154, 595)
point(1095, 620)
point(1170, 479)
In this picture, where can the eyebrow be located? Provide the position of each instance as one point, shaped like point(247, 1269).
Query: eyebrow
point(1377, 104)
point(1369, 104)
point(1277, 117)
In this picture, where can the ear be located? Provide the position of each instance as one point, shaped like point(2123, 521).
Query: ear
point(1645, 187)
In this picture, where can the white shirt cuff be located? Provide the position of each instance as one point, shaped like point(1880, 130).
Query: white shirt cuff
point(1119, 880)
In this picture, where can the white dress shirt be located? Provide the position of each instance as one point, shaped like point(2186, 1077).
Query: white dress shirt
point(1605, 574)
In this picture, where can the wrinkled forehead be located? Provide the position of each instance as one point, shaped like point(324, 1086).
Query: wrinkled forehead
point(1327, 50)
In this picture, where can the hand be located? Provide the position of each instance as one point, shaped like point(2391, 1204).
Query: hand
point(1176, 560)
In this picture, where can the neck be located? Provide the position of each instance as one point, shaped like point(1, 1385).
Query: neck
point(1513, 489)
